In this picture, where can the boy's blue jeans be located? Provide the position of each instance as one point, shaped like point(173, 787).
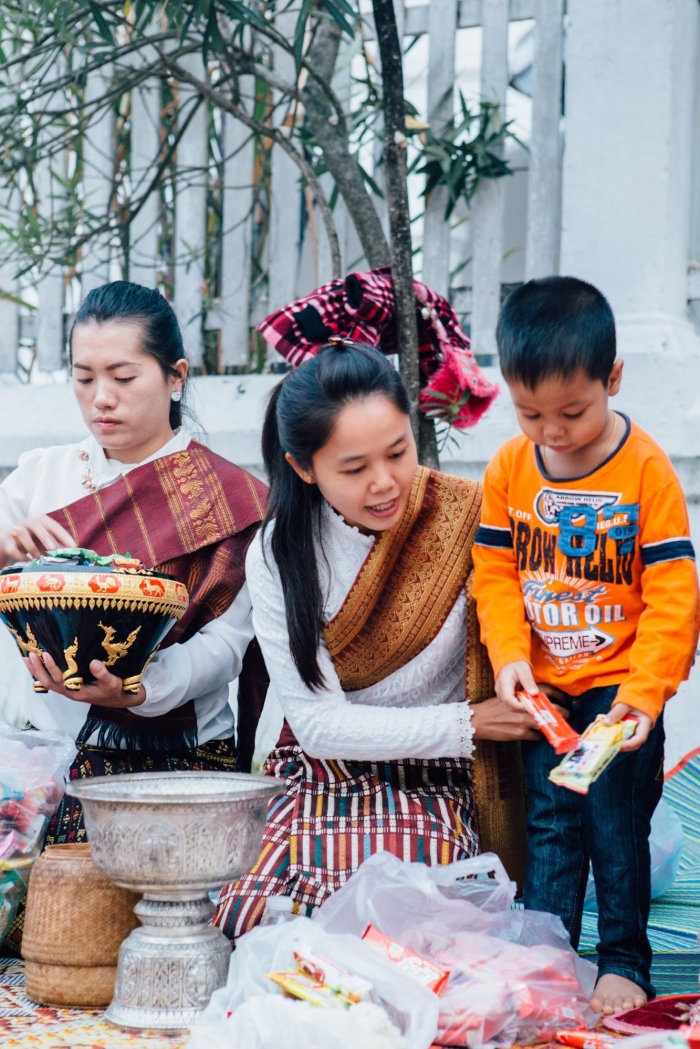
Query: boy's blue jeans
point(609, 827)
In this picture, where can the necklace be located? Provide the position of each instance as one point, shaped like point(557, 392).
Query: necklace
point(87, 478)
point(605, 451)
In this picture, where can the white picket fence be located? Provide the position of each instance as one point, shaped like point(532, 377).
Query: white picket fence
point(289, 271)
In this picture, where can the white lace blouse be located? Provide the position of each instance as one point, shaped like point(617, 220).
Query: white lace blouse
point(416, 712)
point(199, 669)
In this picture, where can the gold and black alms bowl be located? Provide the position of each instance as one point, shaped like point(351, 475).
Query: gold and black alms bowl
point(78, 606)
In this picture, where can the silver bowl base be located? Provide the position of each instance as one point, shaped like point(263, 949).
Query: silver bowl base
point(170, 967)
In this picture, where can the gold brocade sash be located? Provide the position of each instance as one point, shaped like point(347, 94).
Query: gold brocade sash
point(408, 583)
point(397, 605)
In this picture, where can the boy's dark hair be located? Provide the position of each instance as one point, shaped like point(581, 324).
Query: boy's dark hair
point(556, 326)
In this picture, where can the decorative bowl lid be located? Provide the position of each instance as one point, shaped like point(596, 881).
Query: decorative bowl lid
point(72, 557)
point(75, 573)
point(79, 607)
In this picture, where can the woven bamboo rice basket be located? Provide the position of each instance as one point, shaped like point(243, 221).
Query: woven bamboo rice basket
point(75, 922)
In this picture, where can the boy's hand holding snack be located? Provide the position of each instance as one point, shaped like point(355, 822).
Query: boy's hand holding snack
point(515, 677)
point(644, 724)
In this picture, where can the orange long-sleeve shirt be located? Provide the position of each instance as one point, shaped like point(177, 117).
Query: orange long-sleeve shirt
point(592, 580)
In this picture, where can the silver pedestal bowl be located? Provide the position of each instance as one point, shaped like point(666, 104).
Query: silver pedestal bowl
point(173, 836)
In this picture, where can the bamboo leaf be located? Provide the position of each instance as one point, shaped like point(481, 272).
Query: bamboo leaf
point(300, 31)
point(338, 9)
point(101, 23)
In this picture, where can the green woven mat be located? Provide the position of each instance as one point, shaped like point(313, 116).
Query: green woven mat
point(674, 923)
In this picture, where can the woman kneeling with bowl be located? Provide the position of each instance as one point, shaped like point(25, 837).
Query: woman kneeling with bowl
point(140, 484)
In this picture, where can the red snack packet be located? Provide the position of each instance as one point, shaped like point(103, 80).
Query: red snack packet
point(584, 1039)
point(422, 969)
point(549, 721)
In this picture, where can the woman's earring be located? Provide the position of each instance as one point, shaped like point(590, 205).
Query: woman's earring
point(310, 480)
point(176, 395)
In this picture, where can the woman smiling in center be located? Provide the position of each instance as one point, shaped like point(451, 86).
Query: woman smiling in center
point(360, 588)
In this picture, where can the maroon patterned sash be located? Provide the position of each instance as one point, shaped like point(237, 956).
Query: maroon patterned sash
point(191, 514)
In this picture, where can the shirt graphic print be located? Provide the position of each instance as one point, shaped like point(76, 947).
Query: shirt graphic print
point(591, 579)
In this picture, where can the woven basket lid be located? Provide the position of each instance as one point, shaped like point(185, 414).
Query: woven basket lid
point(68, 900)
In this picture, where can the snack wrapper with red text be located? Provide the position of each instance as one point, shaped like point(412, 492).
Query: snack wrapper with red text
point(408, 962)
point(555, 728)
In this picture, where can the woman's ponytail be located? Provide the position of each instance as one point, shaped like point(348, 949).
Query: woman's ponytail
point(298, 422)
point(296, 508)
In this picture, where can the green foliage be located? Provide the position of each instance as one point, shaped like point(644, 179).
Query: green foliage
point(52, 52)
point(469, 150)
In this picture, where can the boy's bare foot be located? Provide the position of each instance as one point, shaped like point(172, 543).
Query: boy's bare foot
point(615, 994)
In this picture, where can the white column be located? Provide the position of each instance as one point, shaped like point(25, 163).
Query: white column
point(442, 29)
point(191, 215)
point(342, 85)
point(285, 202)
point(145, 147)
point(236, 241)
point(98, 178)
point(627, 194)
point(50, 287)
point(544, 178)
point(9, 311)
point(489, 200)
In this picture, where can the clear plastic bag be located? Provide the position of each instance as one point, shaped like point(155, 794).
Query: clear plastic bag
point(514, 976)
point(33, 770)
point(665, 846)
point(389, 894)
point(277, 1023)
point(410, 1008)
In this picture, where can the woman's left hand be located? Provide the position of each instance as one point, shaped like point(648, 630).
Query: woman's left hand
point(105, 691)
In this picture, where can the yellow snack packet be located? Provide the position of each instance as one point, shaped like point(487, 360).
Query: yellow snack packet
point(599, 745)
point(297, 985)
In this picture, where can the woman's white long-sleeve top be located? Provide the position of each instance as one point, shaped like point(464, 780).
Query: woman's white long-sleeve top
point(201, 668)
point(416, 712)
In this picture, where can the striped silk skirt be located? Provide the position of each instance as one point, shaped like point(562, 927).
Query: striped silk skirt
point(334, 814)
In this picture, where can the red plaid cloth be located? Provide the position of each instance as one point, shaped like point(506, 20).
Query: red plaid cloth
point(362, 307)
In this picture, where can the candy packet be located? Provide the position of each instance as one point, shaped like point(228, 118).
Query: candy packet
point(584, 1039)
point(599, 746)
point(344, 984)
point(296, 985)
point(555, 728)
point(319, 981)
point(408, 962)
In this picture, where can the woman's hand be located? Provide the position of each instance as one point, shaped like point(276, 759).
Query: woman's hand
point(105, 691)
point(495, 719)
point(32, 538)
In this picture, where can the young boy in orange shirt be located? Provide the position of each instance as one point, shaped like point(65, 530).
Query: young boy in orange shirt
point(585, 582)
